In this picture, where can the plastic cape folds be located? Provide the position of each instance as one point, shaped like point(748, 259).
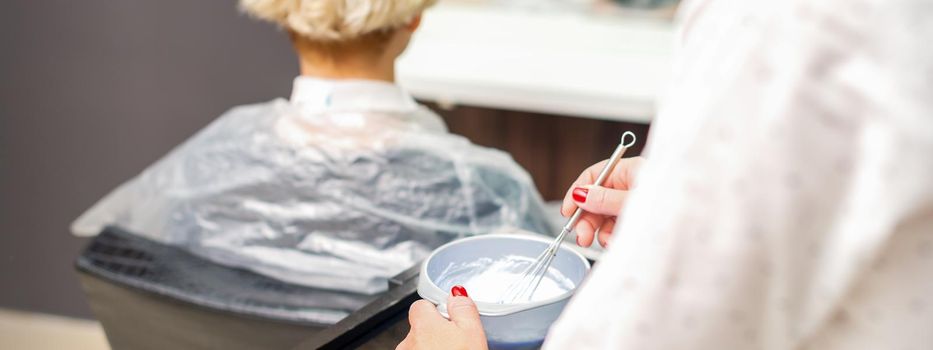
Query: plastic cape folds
point(337, 201)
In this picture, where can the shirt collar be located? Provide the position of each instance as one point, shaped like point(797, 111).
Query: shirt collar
point(317, 95)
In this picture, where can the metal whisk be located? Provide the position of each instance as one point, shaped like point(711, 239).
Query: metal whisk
point(524, 288)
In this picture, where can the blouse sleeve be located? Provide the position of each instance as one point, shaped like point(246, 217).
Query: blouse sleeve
point(787, 199)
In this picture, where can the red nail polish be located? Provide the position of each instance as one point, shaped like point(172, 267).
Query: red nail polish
point(458, 291)
point(579, 194)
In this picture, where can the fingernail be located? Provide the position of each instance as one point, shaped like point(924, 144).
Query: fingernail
point(578, 241)
point(579, 194)
point(458, 291)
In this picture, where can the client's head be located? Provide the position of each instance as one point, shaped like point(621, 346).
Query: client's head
point(344, 39)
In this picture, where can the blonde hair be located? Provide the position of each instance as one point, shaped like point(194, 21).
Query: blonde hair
point(336, 20)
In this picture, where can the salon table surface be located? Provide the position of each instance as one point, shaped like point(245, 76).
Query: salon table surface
point(585, 63)
point(382, 324)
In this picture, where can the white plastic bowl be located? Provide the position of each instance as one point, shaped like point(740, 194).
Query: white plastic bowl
point(507, 326)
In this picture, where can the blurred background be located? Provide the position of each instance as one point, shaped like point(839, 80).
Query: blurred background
point(91, 92)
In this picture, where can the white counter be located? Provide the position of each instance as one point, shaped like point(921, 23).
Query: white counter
point(603, 67)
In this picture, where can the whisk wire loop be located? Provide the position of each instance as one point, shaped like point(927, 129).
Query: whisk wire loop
point(524, 288)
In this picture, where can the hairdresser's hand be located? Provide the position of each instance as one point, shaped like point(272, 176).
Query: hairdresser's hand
point(430, 330)
point(601, 204)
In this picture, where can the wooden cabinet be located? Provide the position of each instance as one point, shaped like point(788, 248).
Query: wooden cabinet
point(554, 149)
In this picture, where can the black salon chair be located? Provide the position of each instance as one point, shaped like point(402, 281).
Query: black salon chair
point(149, 295)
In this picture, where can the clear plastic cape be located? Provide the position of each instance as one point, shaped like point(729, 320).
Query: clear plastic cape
point(337, 200)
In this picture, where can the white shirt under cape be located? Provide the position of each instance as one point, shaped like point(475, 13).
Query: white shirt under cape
point(787, 200)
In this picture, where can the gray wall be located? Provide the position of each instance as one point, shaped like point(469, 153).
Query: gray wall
point(91, 92)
